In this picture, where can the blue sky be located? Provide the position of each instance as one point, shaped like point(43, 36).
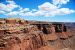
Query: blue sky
point(39, 10)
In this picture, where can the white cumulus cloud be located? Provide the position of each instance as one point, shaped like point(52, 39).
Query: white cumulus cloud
point(24, 10)
point(26, 14)
point(2, 12)
point(58, 2)
point(12, 13)
point(46, 9)
point(8, 7)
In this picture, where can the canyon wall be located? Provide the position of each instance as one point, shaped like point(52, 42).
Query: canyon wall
point(26, 35)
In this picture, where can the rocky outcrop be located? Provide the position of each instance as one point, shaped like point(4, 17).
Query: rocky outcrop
point(25, 35)
point(30, 41)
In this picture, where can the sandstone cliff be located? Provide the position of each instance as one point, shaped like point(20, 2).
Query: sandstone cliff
point(16, 34)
